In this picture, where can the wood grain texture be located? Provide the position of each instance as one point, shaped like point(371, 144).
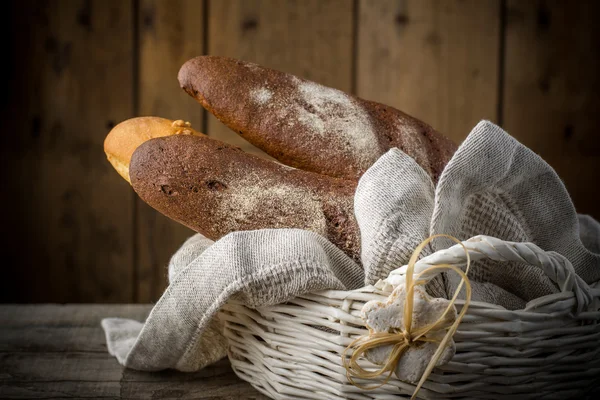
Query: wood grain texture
point(68, 242)
point(56, 315)
point(76, 68)
point(311, 39)
point(552, 91)
point(435, 60)
point(59, 351)
point(170, 33)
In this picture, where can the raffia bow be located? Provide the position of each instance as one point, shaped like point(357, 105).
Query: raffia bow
point(402, 339)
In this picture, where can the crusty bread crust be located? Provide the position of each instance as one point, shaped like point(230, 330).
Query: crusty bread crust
point(307, 125)
point(215, 188)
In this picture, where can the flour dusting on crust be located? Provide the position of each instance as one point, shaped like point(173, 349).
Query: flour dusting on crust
point(253, 199)
point(328, 111)
point(325, 115)
point(261, 96)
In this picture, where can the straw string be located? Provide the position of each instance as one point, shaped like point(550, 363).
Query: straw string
point(405, 337)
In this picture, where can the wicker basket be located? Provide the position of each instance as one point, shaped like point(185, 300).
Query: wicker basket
point(550, 349)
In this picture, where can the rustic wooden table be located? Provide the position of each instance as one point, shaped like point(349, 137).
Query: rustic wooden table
point(59, 352)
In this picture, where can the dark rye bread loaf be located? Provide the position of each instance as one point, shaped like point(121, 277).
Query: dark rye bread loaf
point(215, 188)
point(308, 125)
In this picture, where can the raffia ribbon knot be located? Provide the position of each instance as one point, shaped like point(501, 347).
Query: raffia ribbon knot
point(416, 336)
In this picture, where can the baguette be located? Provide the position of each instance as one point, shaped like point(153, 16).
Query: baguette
point(307, 125)
point(215, 188)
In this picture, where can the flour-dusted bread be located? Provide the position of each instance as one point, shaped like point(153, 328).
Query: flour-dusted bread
point(308, 125)
point(215, 188)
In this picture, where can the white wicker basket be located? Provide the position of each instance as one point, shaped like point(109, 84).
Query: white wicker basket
point(550, 349)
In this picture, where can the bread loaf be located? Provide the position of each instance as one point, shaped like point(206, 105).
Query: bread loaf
point(308, 125)
point(215, 188)
point(123, 139)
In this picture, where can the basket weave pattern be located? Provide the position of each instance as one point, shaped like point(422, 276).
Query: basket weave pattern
point(550, 349)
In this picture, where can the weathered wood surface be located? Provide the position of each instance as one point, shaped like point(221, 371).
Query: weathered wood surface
point(552, 89)
point(56, 352)
point(78, 67)
point(62, 99)
point(435, 60)
point(170, 33)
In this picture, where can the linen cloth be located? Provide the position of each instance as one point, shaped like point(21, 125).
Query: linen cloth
point(493, 186)
point(258, 268)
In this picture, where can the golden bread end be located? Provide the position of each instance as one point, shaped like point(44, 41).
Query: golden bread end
point(123, 139)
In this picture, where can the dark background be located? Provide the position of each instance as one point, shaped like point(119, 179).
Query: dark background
point(73, 230)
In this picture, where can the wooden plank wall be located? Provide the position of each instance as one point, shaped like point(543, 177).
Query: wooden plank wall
point(170, 33)
point(67, 225)
point(77, 233)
